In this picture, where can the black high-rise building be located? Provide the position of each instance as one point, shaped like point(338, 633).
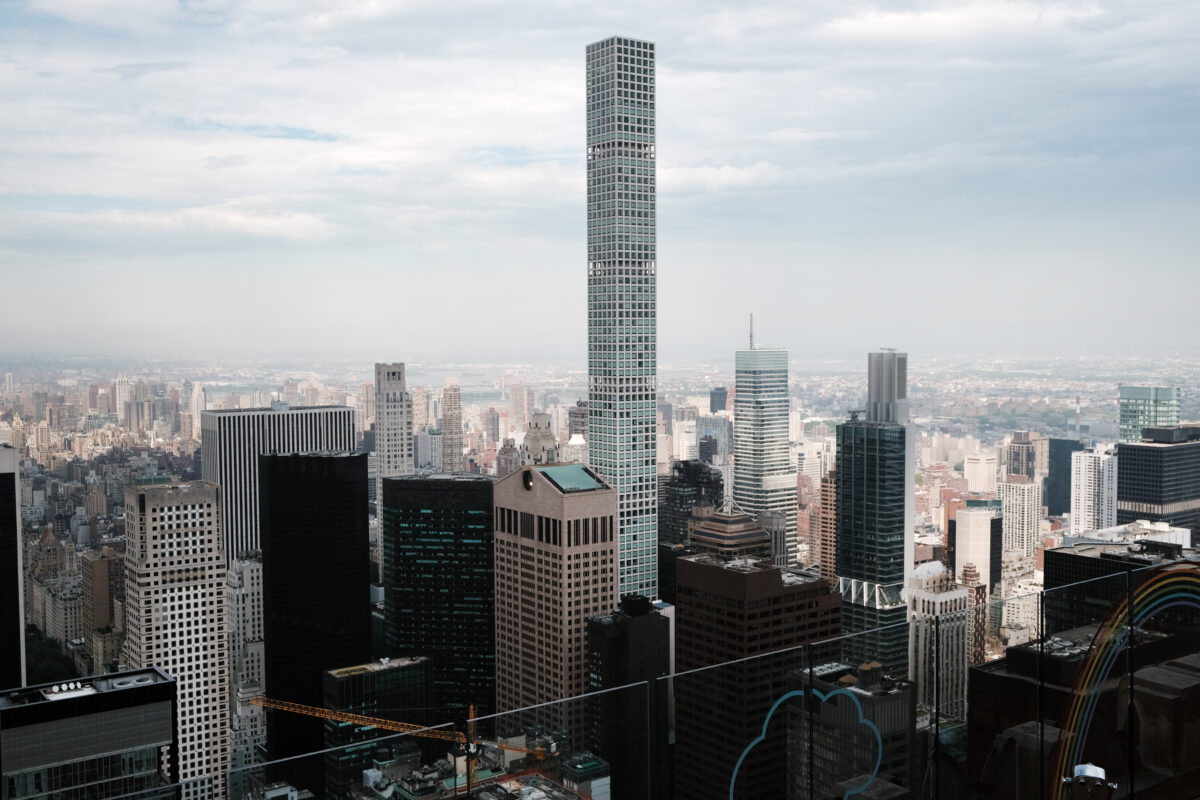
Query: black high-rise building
point(12, 610)
point(718, 398)
point(439, 592)
point(316, 593)
point(394, 689)
point(871, 481)
point(690, 484)
point(110, 736)
point(629, 728)
point(1058, 481)
point(1158, 478)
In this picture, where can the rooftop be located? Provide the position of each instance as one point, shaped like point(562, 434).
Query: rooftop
point(569, 478)
point(66, 690)
point(376, 666)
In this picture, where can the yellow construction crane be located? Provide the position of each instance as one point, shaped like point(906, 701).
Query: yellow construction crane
point(359, 719)
point(469, 747)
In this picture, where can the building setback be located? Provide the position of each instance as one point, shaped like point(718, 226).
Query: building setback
point(316, 593)
point(109, 736)
point(748, 616)
point(556, 546)
point(439, 585)
point(176, 618)
point(12, 572)
point(231, 441)
point(622, 296)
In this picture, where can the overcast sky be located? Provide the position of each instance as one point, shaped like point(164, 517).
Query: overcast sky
point(406, 179)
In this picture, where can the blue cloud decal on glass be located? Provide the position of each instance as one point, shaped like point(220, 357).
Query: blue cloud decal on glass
point(823, 697)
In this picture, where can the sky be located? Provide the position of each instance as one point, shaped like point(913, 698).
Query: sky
point(406, 179)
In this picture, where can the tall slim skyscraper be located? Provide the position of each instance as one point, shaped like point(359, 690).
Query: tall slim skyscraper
point(231, 442)
point(763, 476)
point(1093, 489)
point(622, 291)
point(12, 572)
point(316, 591)
point(393, 425)
point(452, 430)
point(1142, 407)
point(176, 616)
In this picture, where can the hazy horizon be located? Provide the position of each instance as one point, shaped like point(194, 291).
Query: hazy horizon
point(227, 177)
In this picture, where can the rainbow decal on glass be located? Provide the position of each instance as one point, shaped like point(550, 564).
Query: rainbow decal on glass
point(1173, 586)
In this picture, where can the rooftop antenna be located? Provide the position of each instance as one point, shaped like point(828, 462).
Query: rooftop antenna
point(751, 331)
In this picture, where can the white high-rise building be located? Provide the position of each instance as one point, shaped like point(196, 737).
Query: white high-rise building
point(246, 650)
point(763, 476)
point(393, 425)
point(124, 389)
point(8, 383)
point(973, 544)
point(937, 653)
point(231, 442)
point(197, 404)
point(176, 612)
point(1093, 489)
point(452, 428)
point(1022, 511)
point(622, 294)
point(980, 470)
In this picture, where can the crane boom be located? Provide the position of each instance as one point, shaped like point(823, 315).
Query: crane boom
point(359, 719)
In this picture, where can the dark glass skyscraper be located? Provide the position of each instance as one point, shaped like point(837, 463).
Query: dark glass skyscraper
point(12, 608)
point(1058, 481)
point(628, 646)
point(1158, 478)
point(439, 593)
point(690, 484)
point(316, 592)
point(871, 529)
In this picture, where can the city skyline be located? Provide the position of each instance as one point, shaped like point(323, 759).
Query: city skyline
point(1003, 179)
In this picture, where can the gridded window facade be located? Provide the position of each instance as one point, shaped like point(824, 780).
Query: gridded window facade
point(176, 617)
point(622, 292)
